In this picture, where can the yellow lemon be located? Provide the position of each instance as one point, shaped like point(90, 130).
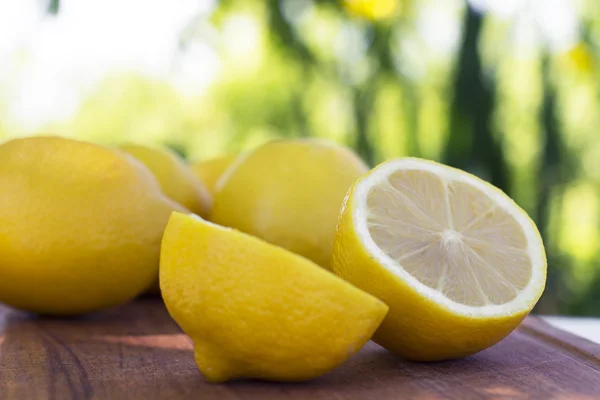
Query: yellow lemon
point(209, 171)
point(372, 9)
point(255, 310)
point(176, 180)
point(175, 177)
point(289, 193)
point(80, 226)
point(456, 260)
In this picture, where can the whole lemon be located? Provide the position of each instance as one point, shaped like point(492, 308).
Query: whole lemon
point(80, 226)
point(255, 310)
point(209, 171)
point(176, 179)
point(289, 193)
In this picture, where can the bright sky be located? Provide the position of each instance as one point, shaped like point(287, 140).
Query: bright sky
point(551, 22)
point(48, 63)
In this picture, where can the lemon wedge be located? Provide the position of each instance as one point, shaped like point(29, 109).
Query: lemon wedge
point(255, 310)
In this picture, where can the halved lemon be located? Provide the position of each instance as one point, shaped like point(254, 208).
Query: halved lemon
point(457, 261)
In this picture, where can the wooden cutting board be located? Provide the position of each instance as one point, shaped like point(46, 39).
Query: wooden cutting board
point(137, 352)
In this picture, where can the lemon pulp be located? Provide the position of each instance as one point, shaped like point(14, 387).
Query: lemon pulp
point(450, 236)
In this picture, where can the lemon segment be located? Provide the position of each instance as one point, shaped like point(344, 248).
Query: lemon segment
point(255, 310)
point(457, 261)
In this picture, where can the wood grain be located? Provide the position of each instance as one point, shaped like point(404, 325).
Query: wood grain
point(137, 352)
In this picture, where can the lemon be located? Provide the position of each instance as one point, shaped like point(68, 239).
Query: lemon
point(80, 226)
point(456, 260)
point(289, 193)
point(209, 171)
point(175, 177)
point(372, 9)
point(255, 310)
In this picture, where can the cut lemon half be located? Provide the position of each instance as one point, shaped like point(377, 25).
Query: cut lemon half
point(456, 260)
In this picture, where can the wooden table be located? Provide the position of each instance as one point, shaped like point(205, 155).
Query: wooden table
point(137, 352)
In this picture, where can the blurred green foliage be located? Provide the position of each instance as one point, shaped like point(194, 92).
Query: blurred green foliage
point(358, 72)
